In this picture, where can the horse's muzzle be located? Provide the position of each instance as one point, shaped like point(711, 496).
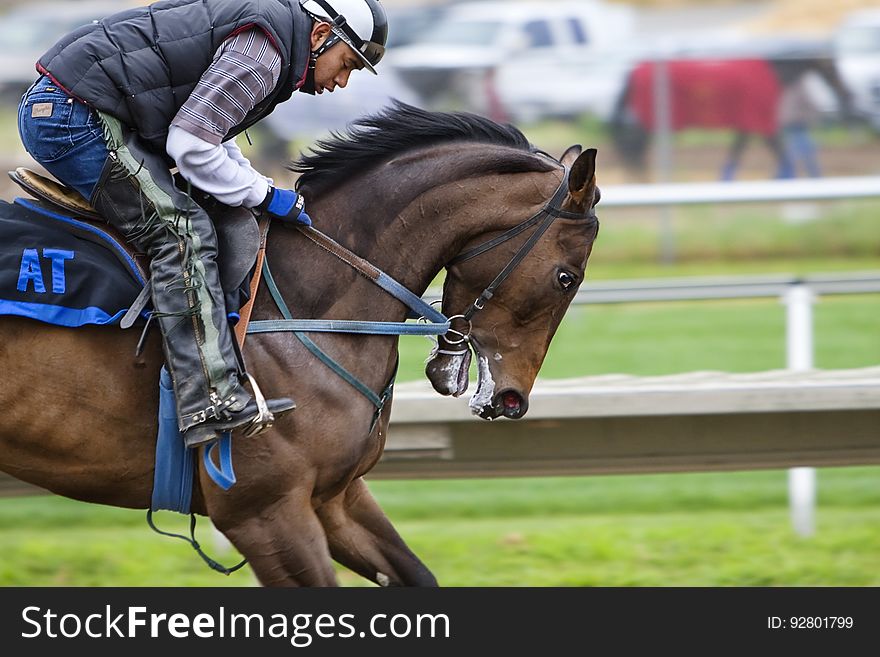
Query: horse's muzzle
point(508, 403)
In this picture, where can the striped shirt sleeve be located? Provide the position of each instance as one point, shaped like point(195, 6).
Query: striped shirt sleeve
point(245, 70)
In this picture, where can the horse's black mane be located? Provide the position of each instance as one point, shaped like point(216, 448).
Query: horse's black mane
point(397, 129)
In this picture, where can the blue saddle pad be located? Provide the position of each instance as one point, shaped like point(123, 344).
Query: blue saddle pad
point(60, 270)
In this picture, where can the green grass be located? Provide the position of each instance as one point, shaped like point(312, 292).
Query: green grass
point(742, 548)
point(600, 269)
point(718, 529)
point(555, 136)
point(741, 234)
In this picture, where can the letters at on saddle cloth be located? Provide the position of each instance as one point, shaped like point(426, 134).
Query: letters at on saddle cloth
point(61, 271)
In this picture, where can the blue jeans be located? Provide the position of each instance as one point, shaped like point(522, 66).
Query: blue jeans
point(802, 149)
point(62, 134)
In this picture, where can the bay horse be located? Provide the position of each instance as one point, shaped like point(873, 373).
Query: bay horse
point(739, 95)
point(409, 191)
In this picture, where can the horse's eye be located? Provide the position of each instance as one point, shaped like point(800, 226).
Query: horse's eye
point(566, 280)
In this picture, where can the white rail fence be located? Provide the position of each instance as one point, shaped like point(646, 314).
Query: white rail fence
point(745, 191)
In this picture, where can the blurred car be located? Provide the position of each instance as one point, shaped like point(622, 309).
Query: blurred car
point(462, 54)
point(298, 122)
point(406, 25)
point(588, 84)
point(306, 117)
point(857, 53)
point(30, 30)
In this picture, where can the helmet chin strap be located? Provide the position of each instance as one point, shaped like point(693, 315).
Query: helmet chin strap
point(309, 85)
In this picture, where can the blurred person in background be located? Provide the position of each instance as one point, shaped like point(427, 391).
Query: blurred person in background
point(798, 115)
point(121, 101)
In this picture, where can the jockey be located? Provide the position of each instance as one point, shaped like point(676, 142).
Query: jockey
point(122, 101)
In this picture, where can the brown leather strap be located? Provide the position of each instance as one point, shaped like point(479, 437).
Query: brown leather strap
point(245, 313)
point(336, 249)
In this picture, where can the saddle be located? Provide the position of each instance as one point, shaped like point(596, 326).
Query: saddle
point(238, 237)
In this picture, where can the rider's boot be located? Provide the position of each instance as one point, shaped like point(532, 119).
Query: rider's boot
point(251, 418)
point(137, 195)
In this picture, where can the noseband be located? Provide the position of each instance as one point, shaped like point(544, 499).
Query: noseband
point(543, 219)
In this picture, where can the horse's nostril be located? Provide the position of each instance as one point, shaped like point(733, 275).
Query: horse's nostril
point(511, 404)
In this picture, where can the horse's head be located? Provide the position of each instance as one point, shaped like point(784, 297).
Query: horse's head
point(517, 229)
point(510, 326)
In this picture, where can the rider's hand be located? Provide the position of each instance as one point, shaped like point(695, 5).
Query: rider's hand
point(286, 205)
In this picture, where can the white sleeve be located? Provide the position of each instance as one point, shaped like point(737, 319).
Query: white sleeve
point(211, 168)
point(235, 153)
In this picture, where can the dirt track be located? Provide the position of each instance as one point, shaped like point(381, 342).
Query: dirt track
point(703, 163)
point(809, 16)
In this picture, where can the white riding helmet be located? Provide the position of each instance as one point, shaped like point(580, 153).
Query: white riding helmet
point(361, 24)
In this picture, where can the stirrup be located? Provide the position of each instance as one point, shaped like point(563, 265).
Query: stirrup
point(206, 433)
point(265, 419)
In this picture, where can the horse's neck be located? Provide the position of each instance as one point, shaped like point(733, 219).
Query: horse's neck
point(411, 245)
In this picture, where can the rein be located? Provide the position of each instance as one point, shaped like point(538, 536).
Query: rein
point(434, 322)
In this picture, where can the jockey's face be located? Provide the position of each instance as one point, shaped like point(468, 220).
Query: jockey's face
point(334, 66)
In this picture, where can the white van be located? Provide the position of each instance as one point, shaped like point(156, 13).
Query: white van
point(28, 30)
point(474, 39)
point(857, 55)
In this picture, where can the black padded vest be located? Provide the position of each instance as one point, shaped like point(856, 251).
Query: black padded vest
point(141, 65)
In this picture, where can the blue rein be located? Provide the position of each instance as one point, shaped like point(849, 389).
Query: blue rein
point(437, 322)
point(434, 322)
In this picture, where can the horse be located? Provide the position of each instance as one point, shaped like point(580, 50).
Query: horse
point(407, 190)
point(742, 95)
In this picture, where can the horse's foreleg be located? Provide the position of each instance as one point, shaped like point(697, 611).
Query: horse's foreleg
point(362, 538)
point(283, 542)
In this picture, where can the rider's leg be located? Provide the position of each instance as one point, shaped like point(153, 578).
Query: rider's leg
point(63, 135)
point(136, 193)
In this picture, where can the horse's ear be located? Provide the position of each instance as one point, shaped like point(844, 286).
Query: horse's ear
point(582, 178)
point(570, 154)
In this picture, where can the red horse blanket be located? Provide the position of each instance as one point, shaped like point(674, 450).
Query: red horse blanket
point(740, 95)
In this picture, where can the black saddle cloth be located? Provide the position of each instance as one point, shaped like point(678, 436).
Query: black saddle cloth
point(68, 271)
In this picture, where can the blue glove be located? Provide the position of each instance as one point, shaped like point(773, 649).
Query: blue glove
point(286, 205)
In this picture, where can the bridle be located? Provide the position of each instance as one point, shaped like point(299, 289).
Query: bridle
point(544, 218)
